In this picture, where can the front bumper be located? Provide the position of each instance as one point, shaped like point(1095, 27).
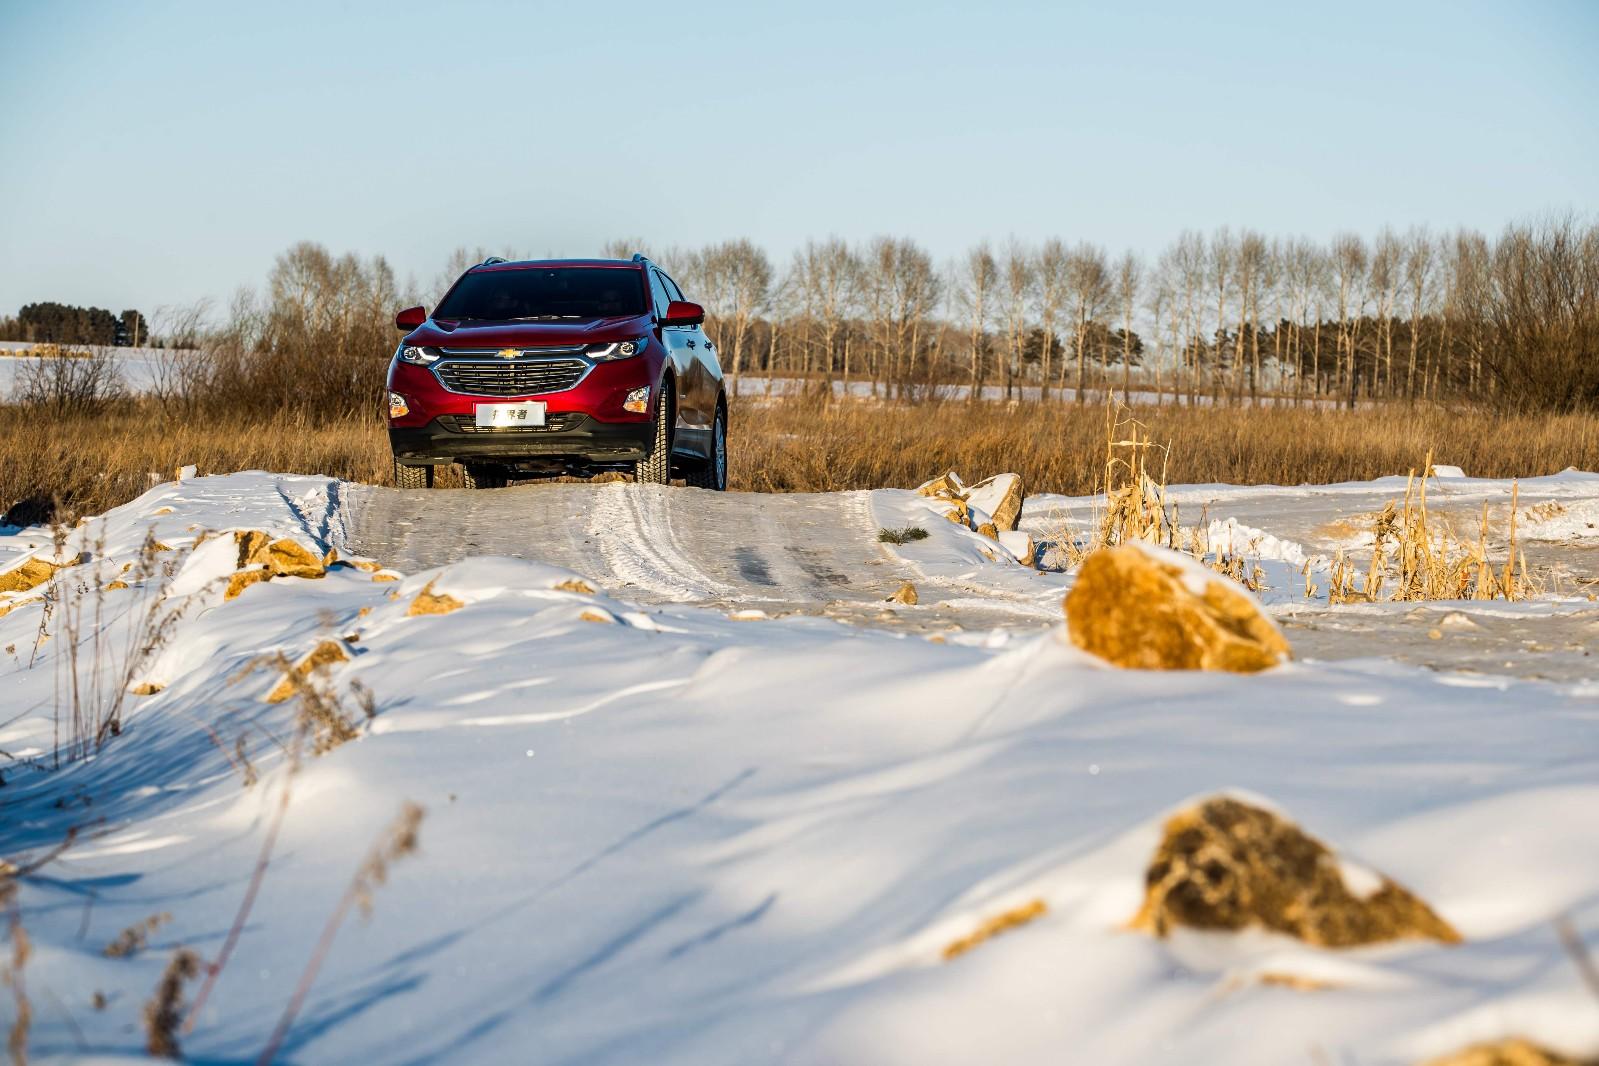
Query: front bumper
point(575, 437)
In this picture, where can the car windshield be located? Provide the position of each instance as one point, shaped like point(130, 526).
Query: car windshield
point(544, 293)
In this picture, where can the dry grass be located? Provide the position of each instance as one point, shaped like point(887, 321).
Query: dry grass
point(1418, 556)
point(805, 446)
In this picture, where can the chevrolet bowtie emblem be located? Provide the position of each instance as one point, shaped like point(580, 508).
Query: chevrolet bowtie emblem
point(508, 353)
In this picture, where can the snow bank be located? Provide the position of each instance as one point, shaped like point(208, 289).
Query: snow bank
point(675, 837)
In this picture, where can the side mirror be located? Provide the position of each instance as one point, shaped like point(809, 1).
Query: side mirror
point(410, 318)
point(683, 313)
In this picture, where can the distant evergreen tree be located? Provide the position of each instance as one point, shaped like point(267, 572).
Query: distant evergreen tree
point(132, 330)
point(53, 323)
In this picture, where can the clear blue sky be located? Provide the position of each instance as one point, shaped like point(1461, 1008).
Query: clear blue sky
point(153, 153)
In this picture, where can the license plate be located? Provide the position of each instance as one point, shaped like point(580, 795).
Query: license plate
point(501, 415)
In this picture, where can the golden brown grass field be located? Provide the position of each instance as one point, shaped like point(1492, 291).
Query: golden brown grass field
point(92, 463)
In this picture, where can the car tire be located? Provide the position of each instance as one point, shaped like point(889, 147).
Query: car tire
point(713, 475)
point(412, 477)
point(656, 468)
point(484, 476)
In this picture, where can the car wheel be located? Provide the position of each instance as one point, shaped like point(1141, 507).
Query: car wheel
point(483, 476)
point(713, 475)
point(656, 468)
point(412, 477)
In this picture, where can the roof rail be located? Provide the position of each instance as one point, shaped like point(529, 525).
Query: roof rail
point(493, 259)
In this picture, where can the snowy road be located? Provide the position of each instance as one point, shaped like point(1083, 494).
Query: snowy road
point(782, 554)
point(818, 554)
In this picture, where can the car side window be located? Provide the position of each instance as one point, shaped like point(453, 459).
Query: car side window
point(671, 288)
point(658, 291)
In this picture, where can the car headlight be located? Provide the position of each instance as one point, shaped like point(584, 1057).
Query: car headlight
point(616, 349)
point(418, 356)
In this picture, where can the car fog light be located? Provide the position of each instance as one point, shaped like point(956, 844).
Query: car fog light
point(398, 408)
point(638, 401)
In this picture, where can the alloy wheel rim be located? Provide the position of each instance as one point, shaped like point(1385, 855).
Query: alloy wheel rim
point(721, 453)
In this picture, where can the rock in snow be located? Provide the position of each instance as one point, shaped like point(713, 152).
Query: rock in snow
point(1513, 1052)
point(1001, 497)
point(1147, 608)
point(1228, 865)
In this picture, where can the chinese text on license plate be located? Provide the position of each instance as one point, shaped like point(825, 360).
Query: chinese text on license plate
point(496, 415)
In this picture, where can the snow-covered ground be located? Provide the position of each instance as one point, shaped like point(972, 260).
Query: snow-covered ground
point(138, 369)
point(694, 815)
point(759, 386)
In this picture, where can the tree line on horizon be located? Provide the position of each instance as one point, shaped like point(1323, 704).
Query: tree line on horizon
point(55, 323)
point(1232, 316)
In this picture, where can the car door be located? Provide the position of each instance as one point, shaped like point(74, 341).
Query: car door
point(678, 353)
point(694, 412)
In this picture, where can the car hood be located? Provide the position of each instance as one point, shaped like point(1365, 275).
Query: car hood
point(446, 333)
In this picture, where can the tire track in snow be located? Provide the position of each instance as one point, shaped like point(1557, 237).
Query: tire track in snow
point(633, 526)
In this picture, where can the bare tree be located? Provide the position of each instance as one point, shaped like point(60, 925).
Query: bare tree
point(1020, 279)
point(1349, 259)
point(1385, 279)
point(825, 273)
point(975, 286)
point(1129, 276)
point(1419, 254)
point(1054, 283)
point(1219, 261)
point(900, 289)
point(736, 280)
point(1090, 285)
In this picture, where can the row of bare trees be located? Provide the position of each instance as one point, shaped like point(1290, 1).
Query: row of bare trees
point(1234, 315)
point(1230, 316)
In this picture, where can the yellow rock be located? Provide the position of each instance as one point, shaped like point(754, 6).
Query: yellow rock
point(288, 558)
point(147, 688)
point(1512, 1052)
point(366, 566)
point(1001, 496)
point(994, 926)
point(575, 585)
point(947, 485)
point(386, 575)
point(283, 557)
point(591, 615)
point(252, 547)
point(7, 608)
point(113, 586)
point(160, 511)
point(958, 512)
point(243, 579)
point(325, 653)
point(1228, 865)
point(1150, 609)
point(30, 575)
point(989, 530)
point(906, 594)
point(429, 602)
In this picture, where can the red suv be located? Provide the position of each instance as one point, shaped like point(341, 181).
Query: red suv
point(569, 366)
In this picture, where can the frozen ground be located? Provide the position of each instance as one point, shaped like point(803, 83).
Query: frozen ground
point(819, 554)
point(139, 369)
point(658, 832)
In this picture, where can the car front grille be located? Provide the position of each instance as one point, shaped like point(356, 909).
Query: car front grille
point(520, 377)
point(555, 423)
